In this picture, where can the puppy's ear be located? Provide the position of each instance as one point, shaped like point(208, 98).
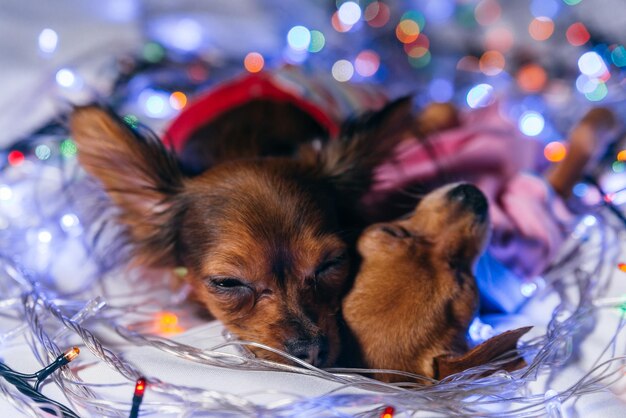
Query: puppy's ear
point(365, 143)
point(490, 350)
point(139, 175)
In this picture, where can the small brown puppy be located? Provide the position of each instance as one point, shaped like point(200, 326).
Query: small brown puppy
point(266, 240)
point(415, 294)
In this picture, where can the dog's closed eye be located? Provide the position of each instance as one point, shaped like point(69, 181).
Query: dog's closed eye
point(330, 264)
point(226, 282)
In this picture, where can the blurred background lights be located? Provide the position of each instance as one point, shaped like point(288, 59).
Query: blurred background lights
point(554, 151)
point(43, 152)
point(531, 123)
point(599, 93)
point(407, 31)
point(342, 70)
point(586, 84)
point(528, 289)
point(618, 56)
point(377, 14)
point(15, 158)
point(349, 13)
point(531, 78)
point(155, 103)
point(491, 63)
point(65, 78)
point(69, 220)
point(618, 166)
point(577, 34)
point(6, 193)
point(48, 40)
point(367, 63)
point(299, 38)
point(253, 62)
point(421, 60)
point(68, 148)
point(479, 331)
point(440, 90)
point(621, 156)
point(338, 25)
point(548, 8)
point(480, 96)
point(499, 38)
point(317, 41)
point(592, 64)
point(580, 189)
point(185, 34)
point(153, 52)
point(572, 2)
point(44, 236)
point(487, 12)
point(178, 100)
point(541, 28)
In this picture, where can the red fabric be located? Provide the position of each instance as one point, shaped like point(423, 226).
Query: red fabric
point(234, 93)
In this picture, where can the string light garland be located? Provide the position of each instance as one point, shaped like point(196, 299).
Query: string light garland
point(45, 215)
point(21, 382)
point(140, 388)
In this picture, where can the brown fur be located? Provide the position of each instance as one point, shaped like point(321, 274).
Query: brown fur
point(415, 295)
point(266, 240)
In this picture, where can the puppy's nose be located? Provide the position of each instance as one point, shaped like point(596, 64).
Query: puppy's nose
point(471, 198)
point(313, 351)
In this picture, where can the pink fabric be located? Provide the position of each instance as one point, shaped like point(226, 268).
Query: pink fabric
point(528, 218)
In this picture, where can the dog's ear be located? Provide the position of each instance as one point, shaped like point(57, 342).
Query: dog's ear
point(365, 143)
point(140, 176)
point(484, 353)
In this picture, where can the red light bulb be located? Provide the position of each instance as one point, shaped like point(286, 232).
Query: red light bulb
point(140, 387)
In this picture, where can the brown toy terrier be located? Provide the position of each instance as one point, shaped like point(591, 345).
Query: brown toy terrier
point(415, 294)
point(266, 240)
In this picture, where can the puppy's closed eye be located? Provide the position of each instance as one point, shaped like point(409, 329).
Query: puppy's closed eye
point(330, 265)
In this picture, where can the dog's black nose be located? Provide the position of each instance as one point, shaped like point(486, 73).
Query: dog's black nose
point(313, 351)
point(471, 198)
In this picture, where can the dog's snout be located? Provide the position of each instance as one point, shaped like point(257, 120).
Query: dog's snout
point(471, 198)
point(313, 351)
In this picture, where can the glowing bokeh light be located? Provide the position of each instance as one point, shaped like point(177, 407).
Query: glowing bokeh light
point(69, 220)
point(541, 28)
point(299, 38)
point(548, 8)
point(577, 34)
point(618, 56)
point(68, 148)
point(528, 289)
point(420, 61)
point(377, 14)
point(591, 64)
point(555, 151)
point(367, 63)
point(599, 93)
point(153, 52)
point(621, 156)
point(479, 331)
point(338, 25)
point(440, 90)
point(480, 96)
point(499, 38)
point(622, 267)
point(572, 2)
point(531, 123)
point(342, 70)
point(44, 236)
point(178, 100)
point(580, 189)
point(6, 193)
point(15, 158)
point(487, 12)
point(388, 412)
point(167, 323)
point(407, 31)
point(618, 167)
point(586, 84)
point(155, 103)
point(417, 48)
point(317, 41)
point(254, 62)
point(416, 17)
point(349, 13)
point(468, 63)
point(531, 78)
point(43, 152)
point(491, 63)
point(48, 41)
point(65, 78)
